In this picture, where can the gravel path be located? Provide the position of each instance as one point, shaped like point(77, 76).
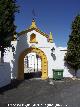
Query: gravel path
point(47, 93)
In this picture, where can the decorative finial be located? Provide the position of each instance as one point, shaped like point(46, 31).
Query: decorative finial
point(33, 25)
point(50, 38)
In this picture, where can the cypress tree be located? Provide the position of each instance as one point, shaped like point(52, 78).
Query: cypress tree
point(7, 26)
point(73, 50)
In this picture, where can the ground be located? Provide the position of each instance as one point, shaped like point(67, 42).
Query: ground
point(65, 93)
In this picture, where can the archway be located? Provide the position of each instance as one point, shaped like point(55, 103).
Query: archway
point(44, 62)
point(32, 66)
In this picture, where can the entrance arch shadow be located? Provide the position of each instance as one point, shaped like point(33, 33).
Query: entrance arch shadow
point(44, 62)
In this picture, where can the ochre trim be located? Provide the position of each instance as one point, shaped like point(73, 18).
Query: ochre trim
point(33, 25)
point(50, 39)
point(44, 62)
point(34, 42)
point(31, 29)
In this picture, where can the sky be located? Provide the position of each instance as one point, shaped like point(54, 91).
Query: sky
point(54, 16)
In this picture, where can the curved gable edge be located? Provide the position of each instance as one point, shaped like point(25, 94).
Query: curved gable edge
point(36, 29)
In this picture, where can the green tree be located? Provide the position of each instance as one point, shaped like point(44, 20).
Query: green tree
point(73, 50)
point(7, 26)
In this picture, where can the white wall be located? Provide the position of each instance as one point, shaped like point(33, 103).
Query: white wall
point(24, 43)
point(60, 63)
point(5, 75)
point(10, 71)
point(46, 47)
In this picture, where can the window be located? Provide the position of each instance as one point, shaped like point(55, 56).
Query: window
point(33, 38)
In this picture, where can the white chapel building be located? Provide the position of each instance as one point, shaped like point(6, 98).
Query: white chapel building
point(34, 51)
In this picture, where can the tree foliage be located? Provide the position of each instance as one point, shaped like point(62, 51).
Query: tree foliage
point(73, 50)
point(7, 18)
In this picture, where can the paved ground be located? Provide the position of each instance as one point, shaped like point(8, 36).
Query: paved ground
point(65, 93)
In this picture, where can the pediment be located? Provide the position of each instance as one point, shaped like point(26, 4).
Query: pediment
point(31, 29)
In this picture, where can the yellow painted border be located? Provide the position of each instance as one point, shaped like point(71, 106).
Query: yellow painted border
point(44, 62)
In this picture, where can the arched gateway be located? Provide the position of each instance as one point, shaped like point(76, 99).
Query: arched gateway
point(44, 62)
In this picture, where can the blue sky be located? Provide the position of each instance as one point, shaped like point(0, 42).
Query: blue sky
point(53, 16)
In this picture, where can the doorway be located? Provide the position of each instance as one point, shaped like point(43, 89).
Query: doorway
point(32, 66)
point(44, 62)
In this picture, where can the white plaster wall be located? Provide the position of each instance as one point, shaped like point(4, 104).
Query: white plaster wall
point(23, 43)
point(60, 63)
point(8, 55)
point(5, 75)
point(46, 47)
point(68, 72)
point(42, 40)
